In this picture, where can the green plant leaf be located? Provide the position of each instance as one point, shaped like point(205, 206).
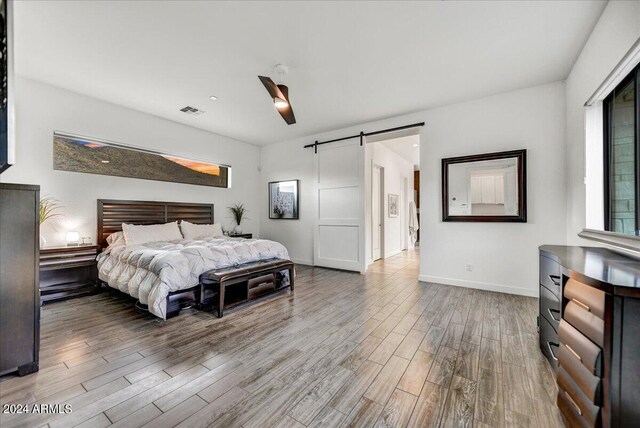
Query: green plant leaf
point(238, 211)
point(48, 207)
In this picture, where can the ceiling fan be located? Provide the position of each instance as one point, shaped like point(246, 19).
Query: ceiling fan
point(280, 94)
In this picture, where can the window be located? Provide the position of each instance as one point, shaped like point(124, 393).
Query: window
point(622, 156)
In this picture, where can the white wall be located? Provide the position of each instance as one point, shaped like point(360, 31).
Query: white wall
point(504, 255)
point(41, 109)
point(614, 34)
point(396, 169)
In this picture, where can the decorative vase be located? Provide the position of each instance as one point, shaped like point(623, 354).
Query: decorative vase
point(43, 241)
point(238, 230)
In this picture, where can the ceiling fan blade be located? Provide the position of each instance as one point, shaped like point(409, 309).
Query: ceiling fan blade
point(271, 87)
point(286, 112)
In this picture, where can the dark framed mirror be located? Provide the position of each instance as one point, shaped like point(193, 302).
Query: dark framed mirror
point(490, 187)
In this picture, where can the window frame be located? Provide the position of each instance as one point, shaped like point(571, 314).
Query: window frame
point(607, 108)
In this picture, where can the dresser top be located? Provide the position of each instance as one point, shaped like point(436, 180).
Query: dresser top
point(610, 271)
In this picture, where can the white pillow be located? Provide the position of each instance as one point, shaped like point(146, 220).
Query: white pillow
point(197, 231)
point(138, 234)
point(116, 239)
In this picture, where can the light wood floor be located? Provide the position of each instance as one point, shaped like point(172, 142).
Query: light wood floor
point(347, 350)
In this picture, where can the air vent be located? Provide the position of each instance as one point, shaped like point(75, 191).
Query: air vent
point(191, 110)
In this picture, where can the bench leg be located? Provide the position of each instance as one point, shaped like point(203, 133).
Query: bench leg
point(292, 274)
point(221, 300)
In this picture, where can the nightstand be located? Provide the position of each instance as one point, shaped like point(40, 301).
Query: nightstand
point(242, 235)
point(67, 272)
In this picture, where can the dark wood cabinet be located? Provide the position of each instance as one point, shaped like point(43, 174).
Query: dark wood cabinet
point(67, 272)
point(19, 294)
point(593, 341)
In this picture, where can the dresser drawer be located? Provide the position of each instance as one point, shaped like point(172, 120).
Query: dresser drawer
point(589, 298)
point(570, 414)
point(587, 382)
point(549, 342)
point(574, 398)
point(550, 275)
point(585, 322)
point(550, 307)
point(582, 349)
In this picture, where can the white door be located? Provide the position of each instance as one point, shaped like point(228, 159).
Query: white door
point(339, 240)
point(376, 212)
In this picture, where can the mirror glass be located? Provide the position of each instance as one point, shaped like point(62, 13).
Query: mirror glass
point(483, 188)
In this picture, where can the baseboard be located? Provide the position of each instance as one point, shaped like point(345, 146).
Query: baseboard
point(479, 285)
point(302, 262)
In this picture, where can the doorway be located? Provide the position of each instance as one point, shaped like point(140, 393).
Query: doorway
point(377, 212)
point(390, 161)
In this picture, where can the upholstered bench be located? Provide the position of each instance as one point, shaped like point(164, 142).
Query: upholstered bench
point(234, 285)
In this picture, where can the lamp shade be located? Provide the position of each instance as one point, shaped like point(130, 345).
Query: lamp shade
point(73, 236)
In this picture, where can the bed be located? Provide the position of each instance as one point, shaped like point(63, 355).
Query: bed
point(165, 276)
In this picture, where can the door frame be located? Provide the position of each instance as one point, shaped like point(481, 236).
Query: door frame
point(381, 209)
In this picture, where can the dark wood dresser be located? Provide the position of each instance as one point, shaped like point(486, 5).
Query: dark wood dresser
point(67, 272)
point(19, 295)
point(590, 333)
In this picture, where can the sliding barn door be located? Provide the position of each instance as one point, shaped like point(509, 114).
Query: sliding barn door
point(339, 230)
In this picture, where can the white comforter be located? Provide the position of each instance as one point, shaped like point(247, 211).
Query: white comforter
point(150, 271)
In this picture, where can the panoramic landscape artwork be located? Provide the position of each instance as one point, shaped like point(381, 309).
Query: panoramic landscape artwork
point(80, 154)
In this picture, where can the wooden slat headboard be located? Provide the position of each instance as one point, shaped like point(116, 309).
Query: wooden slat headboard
point(112, 213)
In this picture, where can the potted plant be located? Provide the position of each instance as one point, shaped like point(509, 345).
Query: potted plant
point(47, 208)
point(238, 211)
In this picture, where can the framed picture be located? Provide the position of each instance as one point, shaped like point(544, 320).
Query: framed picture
point(93, 156)
point(283, 200)
point(393, 205)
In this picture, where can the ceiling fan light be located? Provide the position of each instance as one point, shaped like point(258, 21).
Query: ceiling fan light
point(280, 103)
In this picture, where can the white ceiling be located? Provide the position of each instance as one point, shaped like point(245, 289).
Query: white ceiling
point(349, 62)
point(404, 146)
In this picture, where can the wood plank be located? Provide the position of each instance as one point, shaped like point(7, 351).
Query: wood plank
point(416, 373)
point(517, 396)
point(512, 350)
point(311, 404)
point(490, 355)
point(150, 395)
point(178, 413)
point(328, 417)
point(383, 386)
point(443, 366)
point(410, 344)
point(431, 342)
point(349, 395)
point(467, 363)
point(214, 410)
point(383, 353)
point(360, 353)
point(139, 417)
point(458, 410)
point(397, 411)
point(429, 406)
point(364, 414)
point(489, 407)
